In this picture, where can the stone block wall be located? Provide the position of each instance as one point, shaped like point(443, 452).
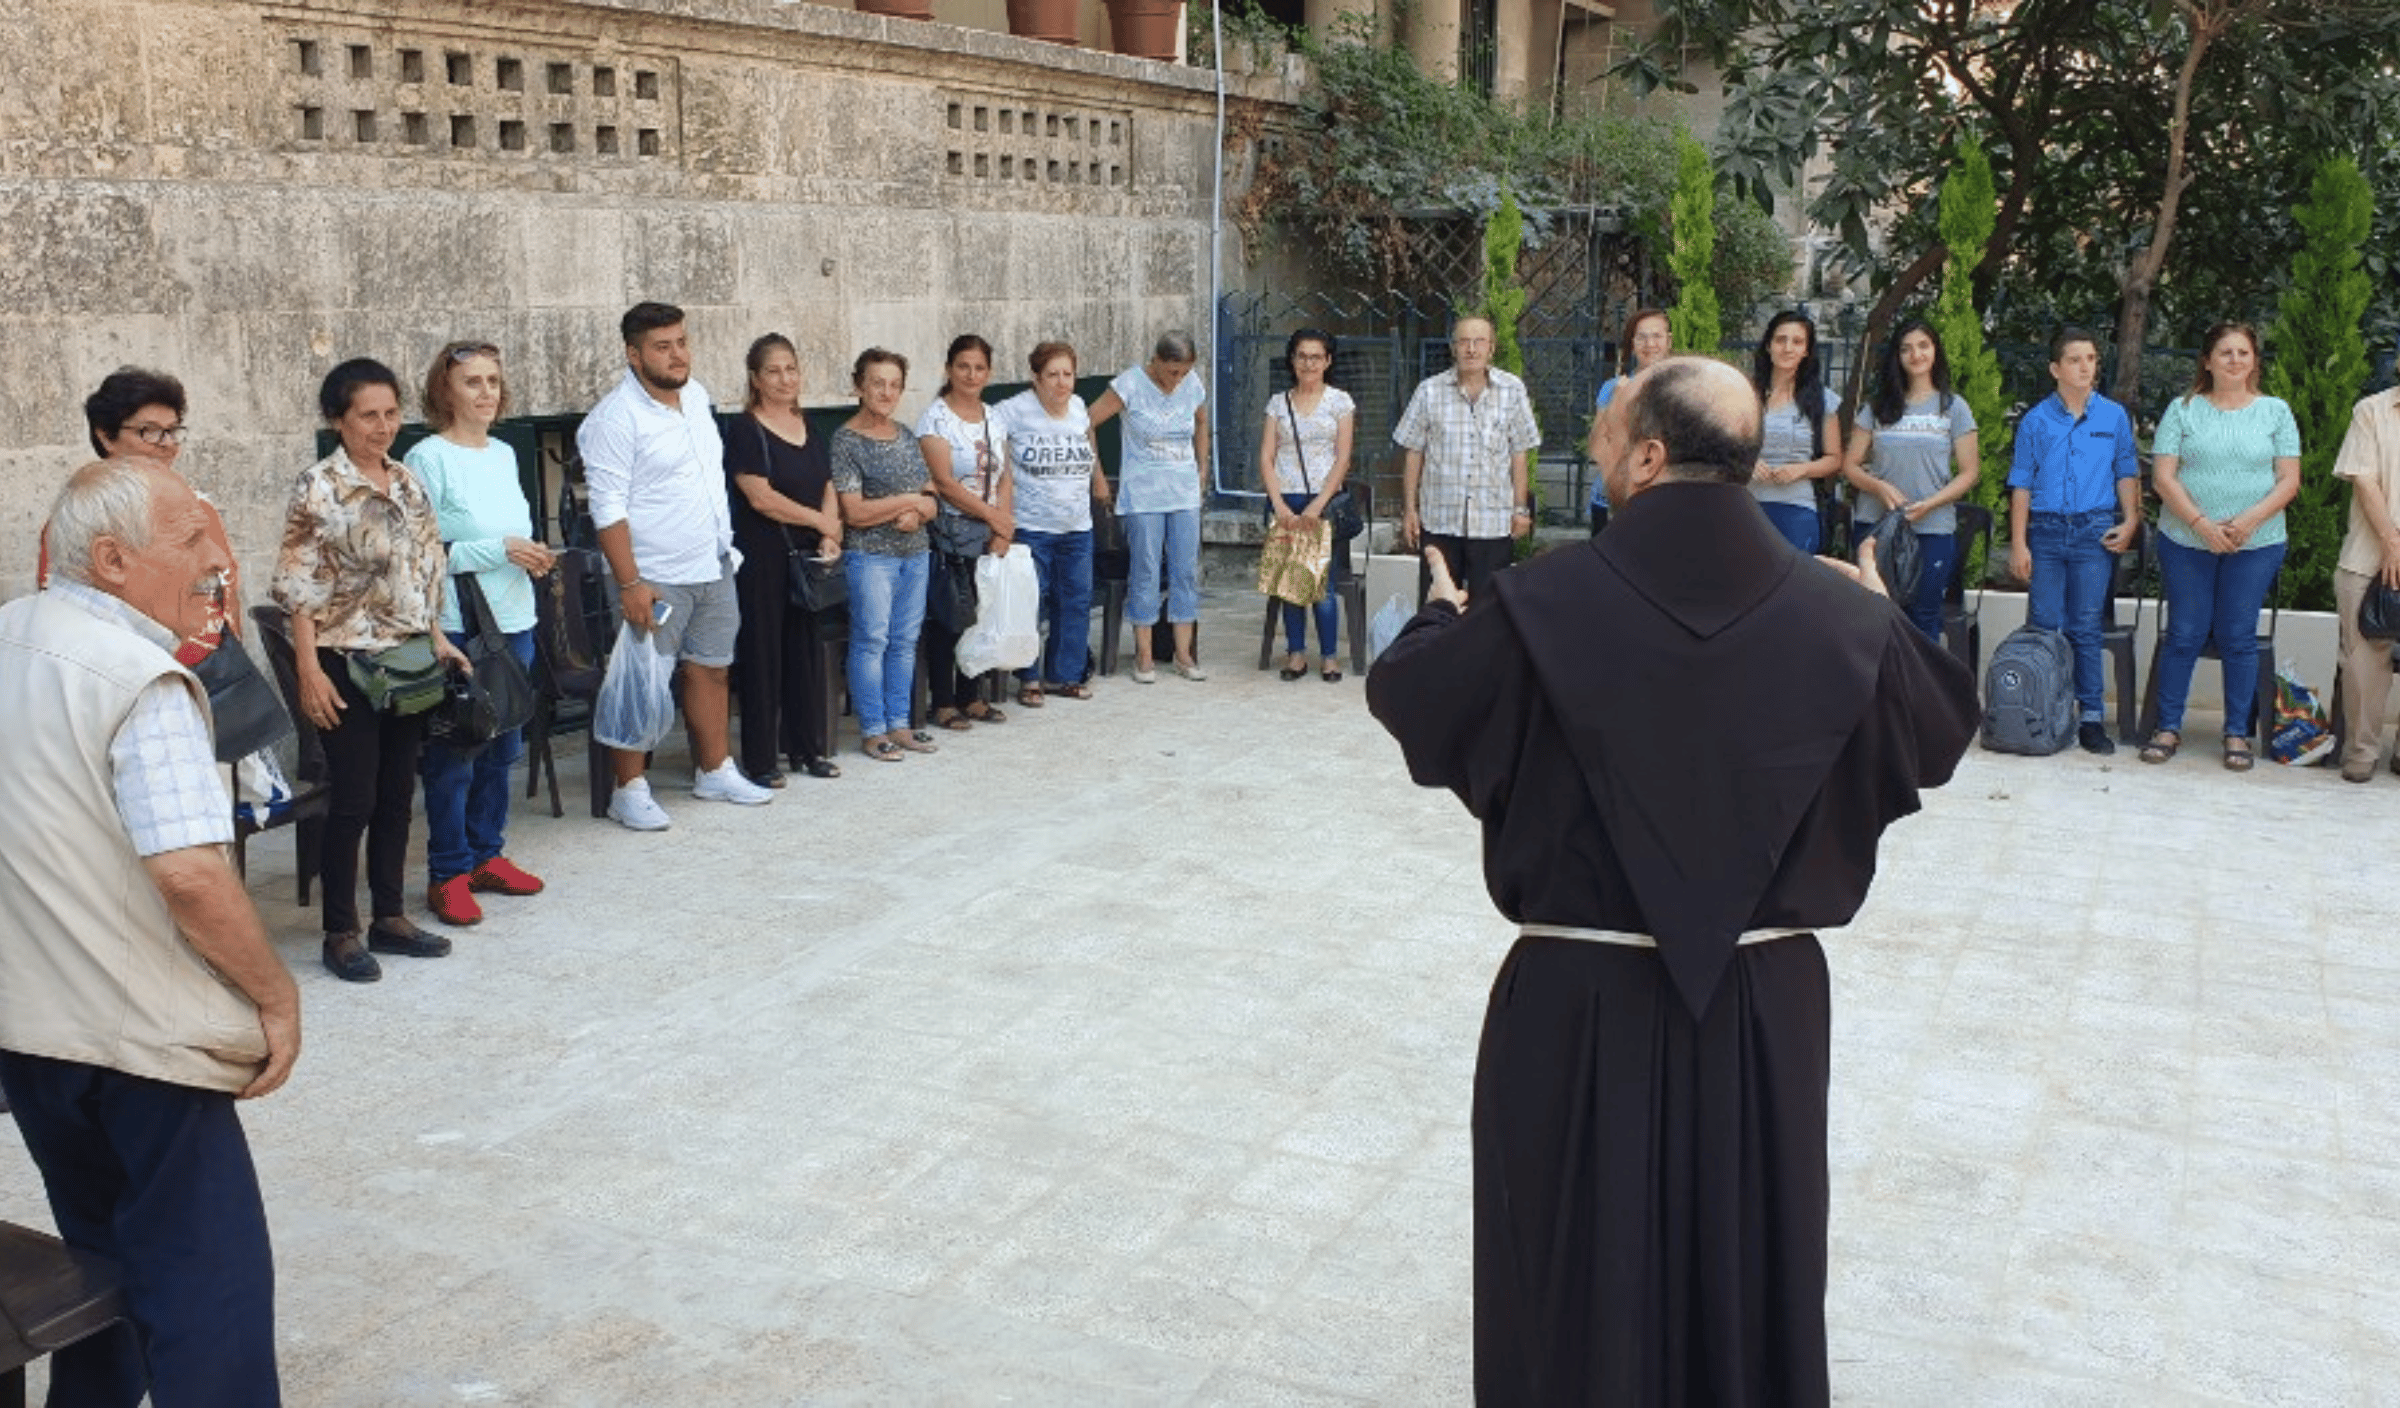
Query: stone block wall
point(245, 193)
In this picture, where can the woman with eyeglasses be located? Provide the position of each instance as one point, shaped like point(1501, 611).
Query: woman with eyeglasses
point(1161, 477)
point(137, 414)
point(488, 527)
point(1303, 457)
point(1649, 336)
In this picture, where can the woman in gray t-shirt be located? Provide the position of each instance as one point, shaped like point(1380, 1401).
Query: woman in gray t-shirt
point(887, 499)
point(1801, 430)
point(1902, 454)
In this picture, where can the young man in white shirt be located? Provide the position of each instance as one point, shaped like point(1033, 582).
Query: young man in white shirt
point(655, 469)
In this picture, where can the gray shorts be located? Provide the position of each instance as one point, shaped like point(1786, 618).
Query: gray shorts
point(701, 627)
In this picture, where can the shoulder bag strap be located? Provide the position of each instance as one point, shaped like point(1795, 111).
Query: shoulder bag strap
point(474, 609)
point(991, 457)
point(1299, 451)
point(766, 464)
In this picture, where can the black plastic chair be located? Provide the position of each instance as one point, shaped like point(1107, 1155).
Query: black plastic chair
point(2263, 711)
point(574, 620)
point(1352, 588)
point(1962, 620)
point(51, 1296)
point(2132, 577)
point(312, 785)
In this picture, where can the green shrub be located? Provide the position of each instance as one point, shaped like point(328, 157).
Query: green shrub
point(2318, 364)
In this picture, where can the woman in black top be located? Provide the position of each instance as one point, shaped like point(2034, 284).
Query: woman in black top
point(782, 499)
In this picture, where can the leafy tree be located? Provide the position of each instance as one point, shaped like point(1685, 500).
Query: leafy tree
point(2319, 365)
point(1692, 227)
point(1881, 91)
point(1967, 216)
point(1753, 260)
point(1503, 296)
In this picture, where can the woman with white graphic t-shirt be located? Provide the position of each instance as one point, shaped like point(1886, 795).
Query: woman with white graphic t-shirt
point(1914, 430)
point(1055, 465)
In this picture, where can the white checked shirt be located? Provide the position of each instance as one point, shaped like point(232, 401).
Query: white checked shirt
point(170, 794)
point(663, 472)
point(1466, 488)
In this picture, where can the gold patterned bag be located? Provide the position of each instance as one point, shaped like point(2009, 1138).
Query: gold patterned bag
point(1294, 563)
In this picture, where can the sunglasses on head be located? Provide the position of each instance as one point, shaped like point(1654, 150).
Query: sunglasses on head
point(469, 354)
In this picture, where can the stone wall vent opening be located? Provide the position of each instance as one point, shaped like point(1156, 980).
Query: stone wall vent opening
point(512, 135)
point(306, 58)
point(312, 124)
point(645, 85)
point(412, 66)
point(362, 61)
point(509, 75)
point(604, 140)
point(462, 132)
point(362, 126)
point(459, 69)
point(562, 79)
point(604, 82)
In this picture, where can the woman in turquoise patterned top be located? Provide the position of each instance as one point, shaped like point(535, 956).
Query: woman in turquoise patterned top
point(2225, 462)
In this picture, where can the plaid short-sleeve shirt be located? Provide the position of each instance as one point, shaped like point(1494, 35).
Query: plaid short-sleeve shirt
point(1466, 487)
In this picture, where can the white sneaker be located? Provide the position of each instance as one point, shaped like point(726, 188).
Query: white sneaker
point(634, 808)
point(726, 784)
point(1191, 672)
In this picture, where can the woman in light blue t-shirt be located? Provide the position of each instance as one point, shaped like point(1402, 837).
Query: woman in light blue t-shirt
point(1901, 458)
point(1649, 336)
point(1158, 494)
point(2225, 462)
point(472, 481)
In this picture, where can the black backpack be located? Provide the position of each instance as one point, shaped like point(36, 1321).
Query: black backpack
point(2029, 694)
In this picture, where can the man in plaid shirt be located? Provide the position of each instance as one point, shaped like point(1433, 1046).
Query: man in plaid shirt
point(1463, 482)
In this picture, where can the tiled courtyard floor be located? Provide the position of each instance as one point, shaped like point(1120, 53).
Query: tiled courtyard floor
point(1121, 1055)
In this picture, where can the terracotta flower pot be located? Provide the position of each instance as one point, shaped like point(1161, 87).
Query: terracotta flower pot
point(1145, 29)
point(1050, 20)
point(898, 9)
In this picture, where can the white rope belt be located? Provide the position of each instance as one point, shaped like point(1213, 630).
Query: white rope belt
point(1620, 937)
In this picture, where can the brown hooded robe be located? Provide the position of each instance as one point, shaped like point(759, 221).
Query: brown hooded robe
point(1684, 729)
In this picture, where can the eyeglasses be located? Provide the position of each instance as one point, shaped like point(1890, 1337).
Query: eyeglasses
point(154, 434)
point(469, 354)
point(1310, 357)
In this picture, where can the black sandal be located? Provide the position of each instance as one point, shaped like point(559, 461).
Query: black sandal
point(2238, 757)
point(819, 767)
point(1333, 673)
point(1293, 672)
point(2162, 746)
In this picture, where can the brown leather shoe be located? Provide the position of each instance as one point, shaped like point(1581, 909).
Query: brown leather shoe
point(347, 958)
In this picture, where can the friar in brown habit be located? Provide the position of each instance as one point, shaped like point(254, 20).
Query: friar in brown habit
point(1683, 740)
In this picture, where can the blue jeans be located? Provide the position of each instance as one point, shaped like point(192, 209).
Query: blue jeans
point(887, 608)
point(158, 1179)
point(2212, 595)
point(1177, 535)
point(1062, 564)
point(1328, 608)
point(1796, 522)
point(466, 797)
point(1938, 552)
point(2069, 593)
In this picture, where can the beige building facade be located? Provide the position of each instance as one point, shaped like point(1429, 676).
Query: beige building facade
point(243, 194)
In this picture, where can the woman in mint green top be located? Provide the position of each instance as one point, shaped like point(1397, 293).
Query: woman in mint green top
point(2225, 462)
point(472, 480)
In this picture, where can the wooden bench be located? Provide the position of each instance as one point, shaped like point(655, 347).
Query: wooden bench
point(51, 1296)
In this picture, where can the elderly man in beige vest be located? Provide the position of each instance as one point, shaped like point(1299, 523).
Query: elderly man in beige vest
point(139, 997)
point(2370, 460)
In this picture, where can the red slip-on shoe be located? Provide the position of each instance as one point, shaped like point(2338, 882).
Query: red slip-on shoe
point(501, 876)
point(453, 902)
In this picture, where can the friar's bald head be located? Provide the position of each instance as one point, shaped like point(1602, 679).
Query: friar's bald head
point(1705, 415)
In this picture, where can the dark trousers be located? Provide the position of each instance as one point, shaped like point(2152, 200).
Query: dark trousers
point(780, 651)
point(1472, 561)
point(158, 1179)
point(371, 759)
point(944, 685)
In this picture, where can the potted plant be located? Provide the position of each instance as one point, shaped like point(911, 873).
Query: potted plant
point(1145, 29)
point(1050, 20)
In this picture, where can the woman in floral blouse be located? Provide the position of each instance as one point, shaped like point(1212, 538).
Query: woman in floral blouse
point(361, 570)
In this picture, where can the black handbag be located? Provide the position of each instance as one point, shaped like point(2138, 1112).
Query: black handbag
point(1341, 510)
point(242, 705)
point(950, 596)
point(1898, 558)
point(813, 583)
point(2379, 612)
point(498, 696)
point(810, 583)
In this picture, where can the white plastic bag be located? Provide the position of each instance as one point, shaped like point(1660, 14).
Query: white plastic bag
point(1007, 634)
point(1385, 628)
point(636, 706)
